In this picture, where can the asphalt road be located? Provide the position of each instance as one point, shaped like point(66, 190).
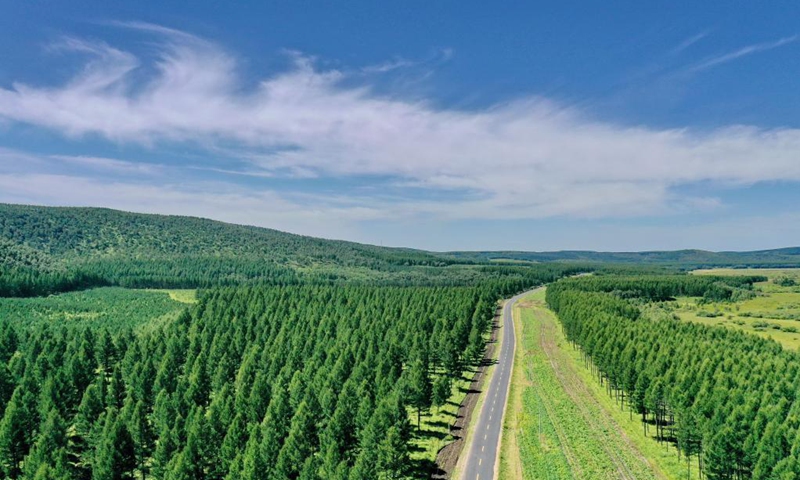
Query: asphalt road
point(483, 454)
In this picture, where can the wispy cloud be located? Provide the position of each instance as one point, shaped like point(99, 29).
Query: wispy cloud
point(739, 53)
point(228, 171)
point(526, 158)
point(110, 164)
point(688, 43)
point(388, 66)
point(436, 57)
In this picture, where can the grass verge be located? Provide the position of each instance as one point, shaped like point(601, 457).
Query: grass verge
point(561, 424)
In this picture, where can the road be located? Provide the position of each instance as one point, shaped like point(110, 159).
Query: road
point(483, 454)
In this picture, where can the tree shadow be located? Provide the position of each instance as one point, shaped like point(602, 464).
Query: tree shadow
point(424, 468)
point(430, 434)
point(440, 424)
point(415, 448)
point(486, 362)
point(468, 390)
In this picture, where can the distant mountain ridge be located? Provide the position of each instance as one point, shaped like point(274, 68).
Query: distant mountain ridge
point(780, 257)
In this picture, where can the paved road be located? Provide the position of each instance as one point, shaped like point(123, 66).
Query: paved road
point(484, 451)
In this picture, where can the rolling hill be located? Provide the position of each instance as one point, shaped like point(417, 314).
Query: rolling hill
point(50, 249)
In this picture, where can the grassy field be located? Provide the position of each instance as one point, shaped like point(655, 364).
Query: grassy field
point(561, 424)
point(773, 313)
point(112, 307)
point(182, 296)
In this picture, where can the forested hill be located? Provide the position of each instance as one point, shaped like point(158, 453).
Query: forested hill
point(49, 249)
point(68, 232)
point(685, 259)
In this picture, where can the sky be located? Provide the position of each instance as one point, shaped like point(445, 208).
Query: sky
point(447, 125)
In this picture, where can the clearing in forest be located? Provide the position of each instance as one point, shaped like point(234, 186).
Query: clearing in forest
point(113, 308)
point(561, 424)
point(772, 312)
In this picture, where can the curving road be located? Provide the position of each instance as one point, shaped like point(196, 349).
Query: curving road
point(483, 454)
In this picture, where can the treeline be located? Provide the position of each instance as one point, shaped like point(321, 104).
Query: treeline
point(262, 382)
point(652, 287)
point(724, 398)
point(188, 272)
point(199, 271)
point(29, 282)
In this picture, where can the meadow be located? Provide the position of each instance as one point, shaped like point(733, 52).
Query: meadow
point(773, 312)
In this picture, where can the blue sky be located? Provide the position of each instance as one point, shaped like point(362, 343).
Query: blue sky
point(440, 125)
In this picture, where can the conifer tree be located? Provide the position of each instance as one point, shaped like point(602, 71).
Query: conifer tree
point(115, 457)
point(48, 456)
point(392, 456)
point(420, 388)
point(299, 445)
point(14, 436)
point(441, 390)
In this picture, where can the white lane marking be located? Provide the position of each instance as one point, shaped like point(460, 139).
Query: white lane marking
point(480, 461)
point(482, 447)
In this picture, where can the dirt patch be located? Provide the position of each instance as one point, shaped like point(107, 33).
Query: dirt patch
point(447, 458)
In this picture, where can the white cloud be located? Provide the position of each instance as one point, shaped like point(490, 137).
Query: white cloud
point(528, 158)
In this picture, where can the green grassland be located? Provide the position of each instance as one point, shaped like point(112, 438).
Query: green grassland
point(774, 312)
point(113, 308)
point(561, 424)
point(188, 296)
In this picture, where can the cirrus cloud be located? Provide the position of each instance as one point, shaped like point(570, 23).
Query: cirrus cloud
point(527, 158)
